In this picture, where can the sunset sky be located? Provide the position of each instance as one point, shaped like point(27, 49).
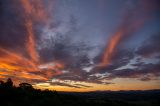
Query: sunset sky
point(81, 45)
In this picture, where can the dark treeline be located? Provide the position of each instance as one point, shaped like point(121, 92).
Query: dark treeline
point(26, 95)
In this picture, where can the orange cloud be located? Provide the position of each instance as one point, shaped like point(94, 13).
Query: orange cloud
point(131, 23)
point(31, 44)
point(17, 65)
point(111, 46)
point(35, 10)
point(13, 61)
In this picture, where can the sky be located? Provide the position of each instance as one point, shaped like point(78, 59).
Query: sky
point(81, 45)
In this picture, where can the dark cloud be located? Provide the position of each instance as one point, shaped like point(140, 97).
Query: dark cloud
point(143, 73)
point(150, 46)
point(86, 86)
point(145, 78)
point(121, 58)
point(81, 75)
point(12, 27)
point(64, 84)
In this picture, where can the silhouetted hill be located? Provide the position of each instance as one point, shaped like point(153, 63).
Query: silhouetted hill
point(133, 95)
point(26, 95)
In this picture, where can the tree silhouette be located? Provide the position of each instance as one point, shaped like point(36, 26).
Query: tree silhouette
point(2, 84)
point(26, 86)
point(9, 83)
point(26, 95)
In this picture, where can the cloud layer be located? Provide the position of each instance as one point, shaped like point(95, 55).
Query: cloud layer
point(59, 43)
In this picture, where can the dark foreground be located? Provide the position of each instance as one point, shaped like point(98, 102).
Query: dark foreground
point(26, 95)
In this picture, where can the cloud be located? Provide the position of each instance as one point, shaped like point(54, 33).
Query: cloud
point(133, 20)
point(145, 72)
point(64, 84)
point(122, 57)
point(86, 86)
point(27, 58)
point(12, 28)
point(37, 46)
point(68, 83)
point(150, 46)
point(18, 50)
point(82, 76)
